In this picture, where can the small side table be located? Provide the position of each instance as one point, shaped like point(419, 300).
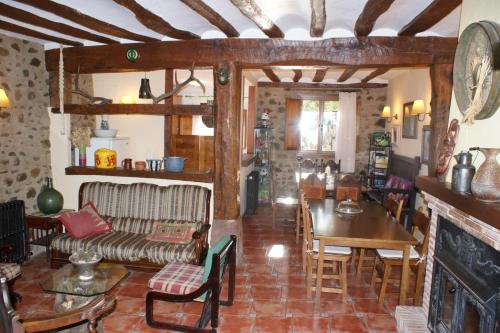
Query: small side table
point(42, 228)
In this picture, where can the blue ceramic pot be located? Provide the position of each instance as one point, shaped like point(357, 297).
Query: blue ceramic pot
point(174, 163)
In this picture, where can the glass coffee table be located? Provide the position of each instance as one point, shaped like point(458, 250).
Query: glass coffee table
point(72, 293)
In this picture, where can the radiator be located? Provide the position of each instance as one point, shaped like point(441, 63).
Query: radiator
point(13, 229)
point(252, 192)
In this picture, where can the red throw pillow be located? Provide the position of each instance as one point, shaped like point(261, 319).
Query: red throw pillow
point(86, 222)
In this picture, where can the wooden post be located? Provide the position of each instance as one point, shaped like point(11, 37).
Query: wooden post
point(227, 143)
point(167, 125)
point(442, 86)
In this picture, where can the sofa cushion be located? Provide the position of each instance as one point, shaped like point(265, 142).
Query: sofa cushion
point(11, 271)
point(178, 233)
point(85, 222)
point(148, 201)
point(399, 183)
point(131, 224)
point(125, 246)
point(104, 195)
point(177, 278)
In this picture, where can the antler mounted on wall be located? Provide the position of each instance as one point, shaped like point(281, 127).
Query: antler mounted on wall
point(91, 99)
point(179, 86)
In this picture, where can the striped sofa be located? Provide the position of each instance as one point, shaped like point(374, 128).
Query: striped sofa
point(132, 210)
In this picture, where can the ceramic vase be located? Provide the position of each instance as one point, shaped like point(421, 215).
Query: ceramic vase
point(49, 201)
point(485, 185)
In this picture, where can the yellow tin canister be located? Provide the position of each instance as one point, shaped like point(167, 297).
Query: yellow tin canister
point(105, 158)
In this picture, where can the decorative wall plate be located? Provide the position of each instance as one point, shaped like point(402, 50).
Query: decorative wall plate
point(476, 72)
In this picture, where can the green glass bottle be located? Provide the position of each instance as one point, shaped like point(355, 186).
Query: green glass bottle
point(49, 201)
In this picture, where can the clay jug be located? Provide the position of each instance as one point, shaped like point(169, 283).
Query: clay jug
point(49, 201)
point(486, 183)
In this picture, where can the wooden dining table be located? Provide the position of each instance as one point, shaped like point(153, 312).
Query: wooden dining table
point(370, 229)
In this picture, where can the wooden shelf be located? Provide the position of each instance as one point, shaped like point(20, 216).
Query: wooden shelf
point(143, 109)
point(188, 175)
point(484, 211)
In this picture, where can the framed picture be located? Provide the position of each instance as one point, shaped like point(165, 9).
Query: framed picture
point(426, 136)
point(396, 135)
point(409, 122)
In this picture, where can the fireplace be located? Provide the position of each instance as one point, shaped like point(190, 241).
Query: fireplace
point(462, 274)
point(465, 295)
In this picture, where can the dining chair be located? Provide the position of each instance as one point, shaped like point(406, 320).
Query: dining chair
point(313, 188)
point(386, 259)
point(393, 209)
point(336, 256)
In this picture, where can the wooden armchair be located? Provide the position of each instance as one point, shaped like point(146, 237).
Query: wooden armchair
point(9, 270)
point(10, 322)
point(182, 283)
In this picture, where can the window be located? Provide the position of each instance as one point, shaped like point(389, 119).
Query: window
point(318, 125)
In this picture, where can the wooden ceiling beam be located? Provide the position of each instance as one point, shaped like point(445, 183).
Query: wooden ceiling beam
point(27, 17)
point(319, 76)
point(155, 22)
point(431, 15)
point(302, 85)
point(251, 53)
point(297, 75)
point(32, 33)
point(251, 10)
point(375, 73)
point(369, 15)
point(85, 20)
point(318, 18)
point(212, 16)
point(348, 72)
point(271, 75)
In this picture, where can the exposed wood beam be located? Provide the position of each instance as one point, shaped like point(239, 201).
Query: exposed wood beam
point(320, 75)
point(28, 32)
point(431, 15)
point(297, 76)
point(442, 87)
point(375, 73)
point(251, 10)
point(212, 16)
point(318, 18)
point(371, 12)
point(27, 17)
point(271, 75)
point(348, 72)
point(149, 109)
point(251, 53)
point(155, 22)
point(300, 85)
point(85, 20)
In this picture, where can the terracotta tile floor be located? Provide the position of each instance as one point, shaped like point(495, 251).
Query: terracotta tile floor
point(270, 293)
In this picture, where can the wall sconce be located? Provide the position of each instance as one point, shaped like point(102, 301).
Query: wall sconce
point(386, 114)
point(418, 108)
point(127, 99)
point(4, 100)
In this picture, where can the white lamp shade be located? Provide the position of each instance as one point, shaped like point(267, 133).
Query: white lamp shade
point(418, 107)
point(386, 112)
point(127, 99)
point(4, 100)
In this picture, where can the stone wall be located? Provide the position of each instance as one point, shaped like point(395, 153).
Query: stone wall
point(370, 105)
point(24, 127)
point(272, 101)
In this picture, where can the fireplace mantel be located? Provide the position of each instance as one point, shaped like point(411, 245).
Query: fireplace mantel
point(487, 212)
